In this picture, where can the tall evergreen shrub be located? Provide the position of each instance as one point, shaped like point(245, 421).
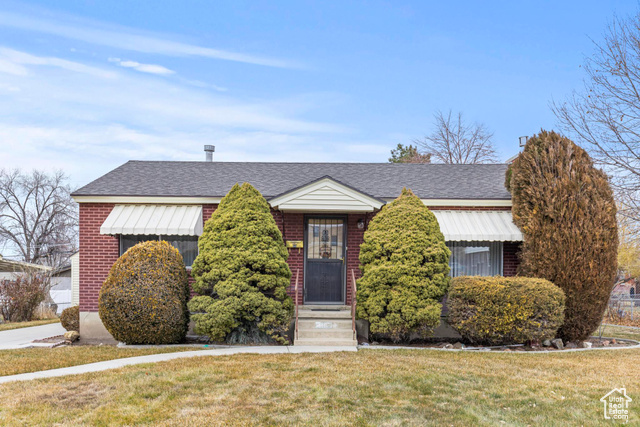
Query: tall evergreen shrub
point(405, 266)
point(241, 272)
point(566, 211)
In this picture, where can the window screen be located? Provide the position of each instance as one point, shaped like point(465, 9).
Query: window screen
point(325, 238)
point(475, 258)
point(186, 245)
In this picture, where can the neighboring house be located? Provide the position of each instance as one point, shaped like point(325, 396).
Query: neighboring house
point(64, 280)
point(9, 269)
point(65, 284)
point(625, 288)
point(322, 210)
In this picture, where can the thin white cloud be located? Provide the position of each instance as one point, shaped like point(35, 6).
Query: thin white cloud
point(86, 125)
point(143, 68)
point(128, 39)
point(14, 62)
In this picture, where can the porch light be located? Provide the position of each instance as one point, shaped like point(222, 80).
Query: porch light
point(361, 223)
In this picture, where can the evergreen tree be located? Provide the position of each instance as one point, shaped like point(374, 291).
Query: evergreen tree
point(566, 211)
point(408, 154)
point(241, 272)
point(405, 266)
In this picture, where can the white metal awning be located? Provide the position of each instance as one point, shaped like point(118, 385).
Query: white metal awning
point(154, 219)
point(491, 226)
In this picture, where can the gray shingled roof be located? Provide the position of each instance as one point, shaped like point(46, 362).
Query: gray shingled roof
point(382, 180)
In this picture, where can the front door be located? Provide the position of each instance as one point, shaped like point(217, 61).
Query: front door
point(325, 248)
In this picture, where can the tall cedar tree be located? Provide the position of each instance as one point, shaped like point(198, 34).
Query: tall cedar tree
point(566, 211)
point(241, 272)
point(405, 266)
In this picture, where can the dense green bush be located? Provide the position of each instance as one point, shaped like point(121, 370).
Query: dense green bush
point(144, 299)
point(405, 267)
point(505, 310)
point(241, 273)
point(70, 318)
point(566, 211)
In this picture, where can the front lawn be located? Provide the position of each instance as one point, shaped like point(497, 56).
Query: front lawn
point(40, 359)
point(620, 332)
point(16, 325)
point(370, 387)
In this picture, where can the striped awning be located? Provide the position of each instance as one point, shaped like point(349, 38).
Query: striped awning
point(154, 219)
point(487, 226)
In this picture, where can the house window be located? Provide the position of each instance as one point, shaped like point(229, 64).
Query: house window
point(475, 258)
point(186, 245)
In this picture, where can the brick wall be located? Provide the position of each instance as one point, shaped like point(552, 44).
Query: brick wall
point(292, 228)
point(510, 258)
point(97, 253)
point(354, 240)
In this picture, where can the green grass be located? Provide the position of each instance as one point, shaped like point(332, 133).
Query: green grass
point(370, 387)
point(17, 325)
point(40, 359)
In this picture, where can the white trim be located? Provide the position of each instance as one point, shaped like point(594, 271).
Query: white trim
point(465, 202)
point(216, 200)
point(148, 200)
point(330, 196)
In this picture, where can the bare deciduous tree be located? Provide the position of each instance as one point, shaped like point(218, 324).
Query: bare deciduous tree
point(38, 218)
point(604, 116)
point(455, 141)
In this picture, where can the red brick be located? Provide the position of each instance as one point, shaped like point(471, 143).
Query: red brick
point(99, 252)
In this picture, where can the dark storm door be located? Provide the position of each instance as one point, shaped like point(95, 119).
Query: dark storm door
point(325, 247)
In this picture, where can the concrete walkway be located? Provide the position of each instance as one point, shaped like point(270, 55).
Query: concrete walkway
point(22, 337)
point(153, 358)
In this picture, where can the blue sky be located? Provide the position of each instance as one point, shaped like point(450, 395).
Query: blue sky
point(88, 85)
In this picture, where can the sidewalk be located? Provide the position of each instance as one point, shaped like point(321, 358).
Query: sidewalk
point(22, 337)
point(153, 358)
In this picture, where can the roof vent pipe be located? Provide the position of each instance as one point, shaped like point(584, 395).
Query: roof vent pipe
point(209, 149)
point(523, 140)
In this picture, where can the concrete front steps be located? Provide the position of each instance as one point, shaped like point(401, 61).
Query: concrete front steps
point(325, 325)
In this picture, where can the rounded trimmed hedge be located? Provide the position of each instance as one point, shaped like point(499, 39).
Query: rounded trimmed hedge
point(70, 318)
point(144, 299)
point(505, 310)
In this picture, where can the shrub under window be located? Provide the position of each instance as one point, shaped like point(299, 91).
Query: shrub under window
point(186, 245)
point(505, 310)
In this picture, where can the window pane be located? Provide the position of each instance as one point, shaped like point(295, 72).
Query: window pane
point(325, 238)
point(475, 258)
point(129, 241)
point(186, 245)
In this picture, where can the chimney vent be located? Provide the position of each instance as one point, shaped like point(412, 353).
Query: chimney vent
point(209, 149)
point(523, 140)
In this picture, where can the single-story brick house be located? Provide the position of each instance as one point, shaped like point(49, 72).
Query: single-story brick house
point(322, 209)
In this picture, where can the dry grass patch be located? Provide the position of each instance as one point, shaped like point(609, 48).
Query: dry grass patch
point(620, 332)
point(40, 359)
point(17, 325)
point(370, 387)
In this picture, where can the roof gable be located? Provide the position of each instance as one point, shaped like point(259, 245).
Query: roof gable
point(326, 195)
